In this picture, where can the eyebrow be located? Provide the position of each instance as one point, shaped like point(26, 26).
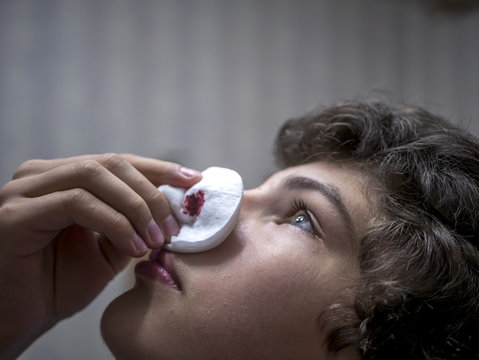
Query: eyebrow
point(329, 191)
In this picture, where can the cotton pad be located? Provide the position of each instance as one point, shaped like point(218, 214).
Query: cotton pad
point(207, 212)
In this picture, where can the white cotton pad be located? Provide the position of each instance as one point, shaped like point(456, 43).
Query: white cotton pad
point(207, 212)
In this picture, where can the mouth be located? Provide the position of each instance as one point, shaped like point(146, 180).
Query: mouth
point(160, 268)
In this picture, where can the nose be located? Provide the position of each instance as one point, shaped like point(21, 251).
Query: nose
point(245, 224)
point(250, 197)
point(255, 211)
point(253, 199)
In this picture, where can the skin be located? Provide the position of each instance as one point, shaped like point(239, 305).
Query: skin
point(259, 294)
point(67, 227)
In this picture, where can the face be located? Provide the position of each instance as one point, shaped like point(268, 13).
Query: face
point(260, 294)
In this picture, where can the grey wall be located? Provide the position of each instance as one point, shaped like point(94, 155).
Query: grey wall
point(208, 82)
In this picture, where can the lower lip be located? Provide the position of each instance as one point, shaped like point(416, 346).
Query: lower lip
point(154, 271)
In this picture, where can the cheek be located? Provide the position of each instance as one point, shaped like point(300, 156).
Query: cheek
point(258, 302)
point(269, 281)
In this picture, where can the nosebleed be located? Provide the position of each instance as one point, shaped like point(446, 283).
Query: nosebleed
point(207, 212)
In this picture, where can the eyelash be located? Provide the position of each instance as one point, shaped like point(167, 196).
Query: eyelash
point(297, 207)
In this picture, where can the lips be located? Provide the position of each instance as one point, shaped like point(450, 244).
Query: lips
point(159, 267)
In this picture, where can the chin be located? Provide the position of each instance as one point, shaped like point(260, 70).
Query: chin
point(120, 327)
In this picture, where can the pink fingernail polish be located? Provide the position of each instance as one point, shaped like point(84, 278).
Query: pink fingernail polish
point(170, 226)
point(189, 172)
point(139, 243)
point(156, 236)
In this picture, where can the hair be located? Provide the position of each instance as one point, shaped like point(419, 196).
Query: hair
point(417, 295)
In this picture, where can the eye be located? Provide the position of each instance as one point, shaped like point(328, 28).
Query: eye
point(301, 217)
point(303, 221)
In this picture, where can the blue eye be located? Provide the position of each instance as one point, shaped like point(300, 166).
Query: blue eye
point(301, 217)
point(303, 222)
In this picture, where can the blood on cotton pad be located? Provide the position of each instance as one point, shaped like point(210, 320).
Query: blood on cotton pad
point(206, 212)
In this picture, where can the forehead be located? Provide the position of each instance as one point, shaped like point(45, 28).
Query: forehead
point(347, 178)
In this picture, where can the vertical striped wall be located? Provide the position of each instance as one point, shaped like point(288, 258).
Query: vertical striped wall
point(208, 82)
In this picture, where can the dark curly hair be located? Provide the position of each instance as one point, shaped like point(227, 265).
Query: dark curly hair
point(418, 293)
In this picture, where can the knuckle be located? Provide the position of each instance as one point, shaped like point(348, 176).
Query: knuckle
point(10, 221)
point(74, 196)
point(11, 190)
point(138, 205)
point(112, 161)
point(118, 220)
point(8, 211)
point(27, 168)
point(8, 189)
point(157, 198)
point(159, 206)
point(86, 168)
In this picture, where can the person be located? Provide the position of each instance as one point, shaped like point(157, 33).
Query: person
point(362, 246)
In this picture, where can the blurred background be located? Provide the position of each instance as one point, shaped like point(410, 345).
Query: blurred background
point(208, 82)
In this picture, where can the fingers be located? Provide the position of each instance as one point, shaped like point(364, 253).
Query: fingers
point(156, 171)
point(47, 215)
point(164, 172)
point(123, 188)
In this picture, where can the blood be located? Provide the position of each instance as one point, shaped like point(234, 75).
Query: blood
point(194, 203)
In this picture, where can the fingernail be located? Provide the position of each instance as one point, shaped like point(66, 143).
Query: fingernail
point(139, 243)
point(170, 226)
point(189, 172)
point(156, 236)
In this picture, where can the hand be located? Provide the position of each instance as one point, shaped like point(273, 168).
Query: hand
point(67, 227)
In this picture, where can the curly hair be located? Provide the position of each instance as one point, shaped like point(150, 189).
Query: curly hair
point(418, 293)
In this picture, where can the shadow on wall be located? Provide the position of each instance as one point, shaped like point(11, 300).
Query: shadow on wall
point(453, 7)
